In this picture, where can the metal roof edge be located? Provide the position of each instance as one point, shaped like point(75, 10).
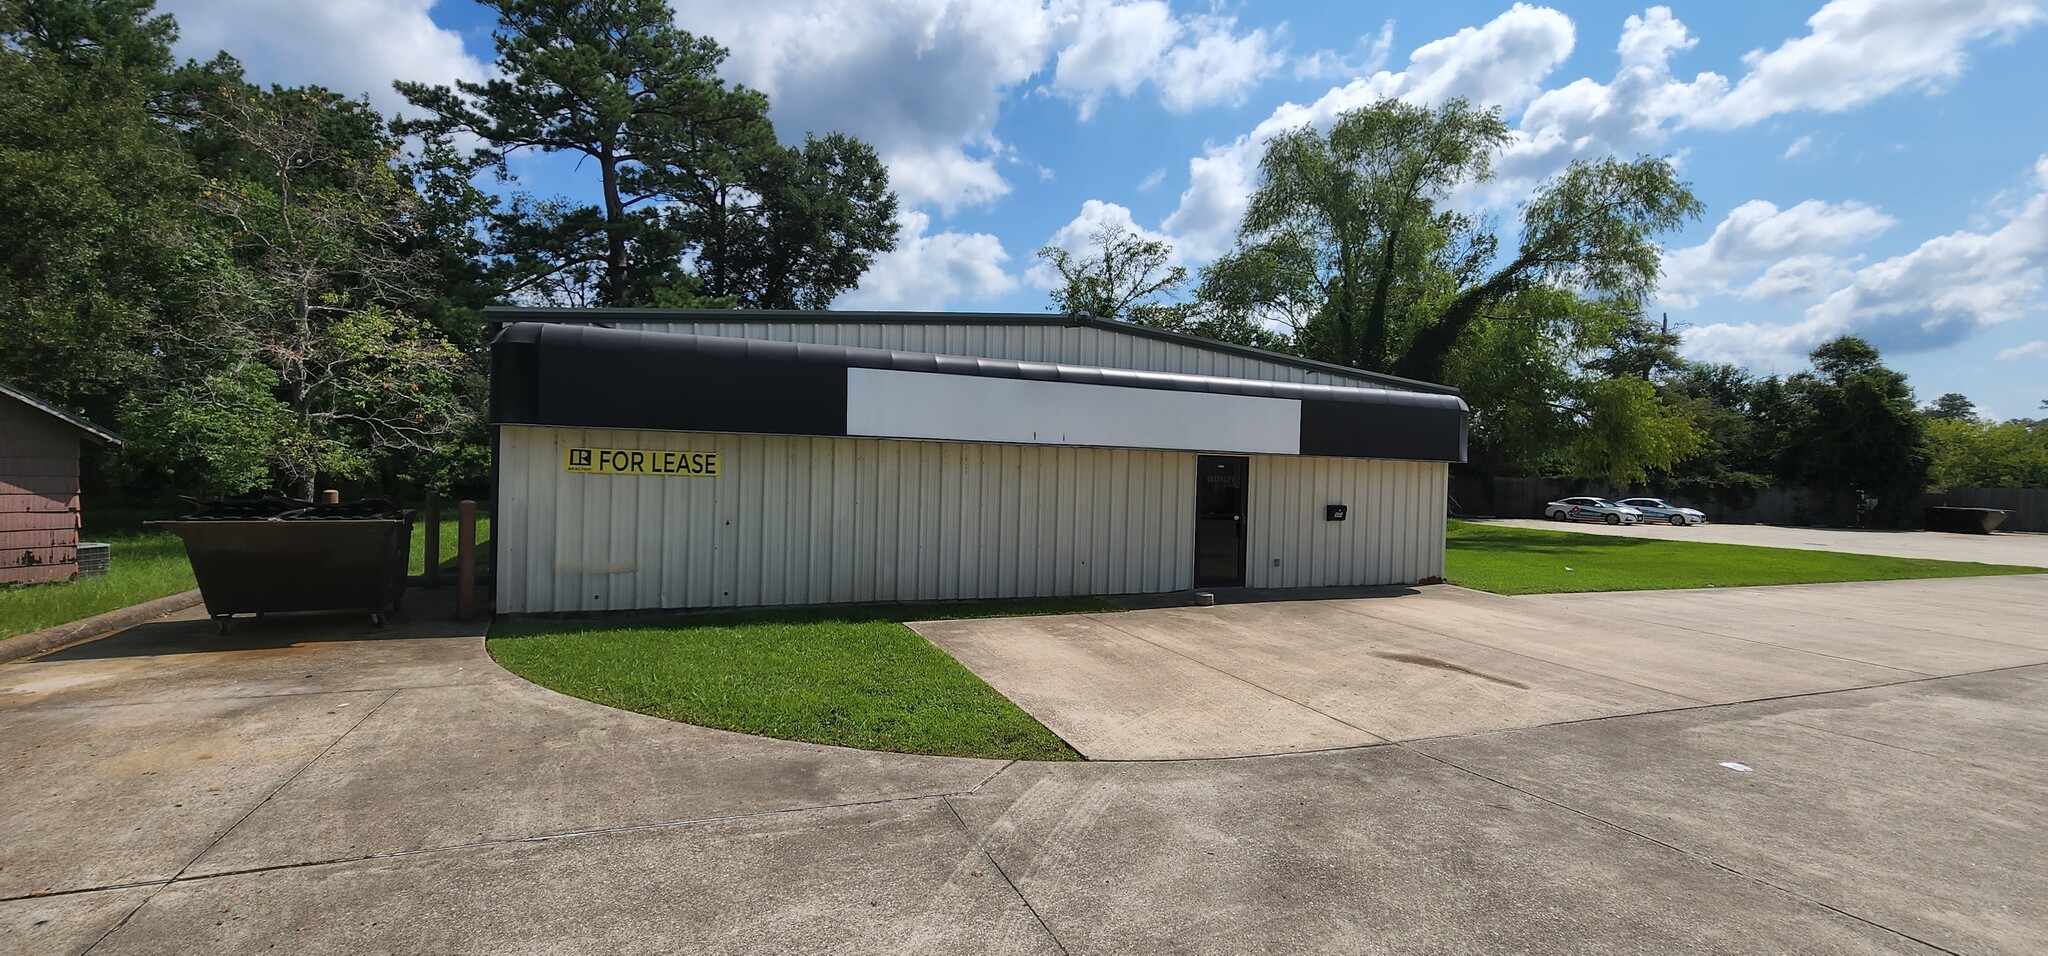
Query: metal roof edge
point(500, 314)
point(538, 334)
point(61, 415)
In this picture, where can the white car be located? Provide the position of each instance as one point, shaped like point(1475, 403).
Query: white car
point(1657, 508)
point(1592, 509)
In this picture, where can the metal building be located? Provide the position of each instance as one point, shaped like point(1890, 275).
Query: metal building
point(687, 459)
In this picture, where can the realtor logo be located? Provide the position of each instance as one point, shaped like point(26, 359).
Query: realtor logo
point(579, 457)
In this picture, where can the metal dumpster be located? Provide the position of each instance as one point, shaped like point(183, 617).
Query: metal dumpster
point(1965, 520)
point(299, 557)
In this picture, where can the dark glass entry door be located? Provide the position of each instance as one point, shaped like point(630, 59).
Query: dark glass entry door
point(1219, 520)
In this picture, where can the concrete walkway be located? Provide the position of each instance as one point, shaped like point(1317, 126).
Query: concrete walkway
point(1266, 678)
point(2029, 550)
point(314, 787)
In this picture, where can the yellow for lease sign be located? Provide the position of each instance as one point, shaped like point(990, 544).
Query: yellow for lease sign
point(641, 461)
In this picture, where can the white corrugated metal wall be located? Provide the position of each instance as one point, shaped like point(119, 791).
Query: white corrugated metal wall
point(1073, 345)
point(833, 520)
point(796, 520)
point(1393, 532)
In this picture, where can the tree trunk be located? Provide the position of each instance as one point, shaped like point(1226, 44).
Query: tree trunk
point(613, 289)
point(1375, 357)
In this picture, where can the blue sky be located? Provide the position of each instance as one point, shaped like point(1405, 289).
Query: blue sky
point(1869, 166)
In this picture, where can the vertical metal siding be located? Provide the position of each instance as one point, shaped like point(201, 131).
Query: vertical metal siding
point(1077, 345)
point(1394, 533)
point(813, 520)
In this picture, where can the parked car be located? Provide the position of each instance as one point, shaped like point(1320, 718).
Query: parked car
point(1655, 509)
point(1592, 509)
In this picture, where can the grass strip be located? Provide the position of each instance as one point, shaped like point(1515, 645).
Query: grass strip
point(146, 565)
point(853, 677)
point(1508, 560)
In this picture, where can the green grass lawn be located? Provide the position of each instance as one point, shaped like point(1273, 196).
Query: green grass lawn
point(852, 677)
point(448, 529)
point(1508, 560)
point(146, 565)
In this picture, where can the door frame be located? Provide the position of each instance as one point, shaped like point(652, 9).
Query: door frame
point(1243, 522)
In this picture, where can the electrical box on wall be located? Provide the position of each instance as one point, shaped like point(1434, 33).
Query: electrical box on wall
point(1334, 512)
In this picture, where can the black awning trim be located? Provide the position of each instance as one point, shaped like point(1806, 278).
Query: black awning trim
point(582, 376)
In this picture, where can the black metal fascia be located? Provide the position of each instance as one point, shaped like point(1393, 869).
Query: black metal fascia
point(593, 377)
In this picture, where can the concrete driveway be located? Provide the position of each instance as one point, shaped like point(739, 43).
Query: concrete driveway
point(1285, 677)
point(313, 787)
point(2030, 550)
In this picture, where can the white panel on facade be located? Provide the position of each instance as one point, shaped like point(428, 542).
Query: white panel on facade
point(894, 404)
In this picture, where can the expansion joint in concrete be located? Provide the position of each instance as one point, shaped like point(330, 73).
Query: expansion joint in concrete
point(244, 818)
point(1674, 848)
point(997, 865)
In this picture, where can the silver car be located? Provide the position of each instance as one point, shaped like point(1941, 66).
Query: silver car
point(1657, 509)
point(1591, 509)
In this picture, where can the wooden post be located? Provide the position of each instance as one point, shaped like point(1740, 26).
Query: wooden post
point(465, 560)
point(431, 576)
point(330, 497)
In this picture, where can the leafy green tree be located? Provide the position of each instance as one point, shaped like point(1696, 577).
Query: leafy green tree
point(1354, 213)
point(98, 244)
point(321, 218)
point(1538, 409)
point(1122, 275)
point(1859, 431)
point(1973, 453)
point(1268, 285)
point(798, 229)
point(1952, 406)
point(1721, 400)
point(1352, 221)
point(618, 84)
point(698, 203)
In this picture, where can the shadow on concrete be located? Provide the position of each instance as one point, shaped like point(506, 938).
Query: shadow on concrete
point(425, 614)
point(1146, 602)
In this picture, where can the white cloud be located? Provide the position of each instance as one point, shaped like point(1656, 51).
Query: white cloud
point(1500, 63)
point(924, 81)
point(1152, 180)
point(1624, 116)
point(1328, 65)
point(1756, 235)
point(1216, 67)
point(930, 272)
point(1116, 47)
point(1800, 145)
point(1859, 50)
point(921, 80)
point(1945, 290)
point(353, 48)
point(2038, 348)
point(1799, 277)
point(1077, 236)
